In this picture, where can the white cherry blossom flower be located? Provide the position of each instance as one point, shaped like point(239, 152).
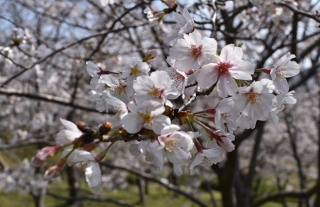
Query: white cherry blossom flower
point(254, 102)
point(156, 87)
point(95, 72)
point(282, 100)
point(192, 51)
point(176, 145)
point(225, 117)
point(101, 104)
point(180, 79)
point(173, 144)
point(148, 115)
point(133, 69)
point(120, 109)
point(283, 69)
point(207, 157)
point(89, 165)
point(69, 134)
point(228, 67)
point(150, 149)
point(184, 25)
point(115, 86)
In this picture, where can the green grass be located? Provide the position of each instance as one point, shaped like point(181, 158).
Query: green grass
point(158, 195)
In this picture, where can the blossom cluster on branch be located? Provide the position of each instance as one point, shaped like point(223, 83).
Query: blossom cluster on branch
point(148, 116)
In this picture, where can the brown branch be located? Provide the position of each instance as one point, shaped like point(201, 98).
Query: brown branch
point(298, 11)
point(62, 49)
point(93, 198)
point(292, 194)
point(24, 143)
point(112, 26)
point(43, 97)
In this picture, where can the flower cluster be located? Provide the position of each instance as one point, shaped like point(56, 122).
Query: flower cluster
point(147, 115)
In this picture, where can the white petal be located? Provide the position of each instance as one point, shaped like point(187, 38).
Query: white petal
point(231, 53)
point(93, 176)
point(169, 129)
point(159, 123)
point(208, 76)
point(132, 123)
point(69, 125)
point(196, 161)
point(177, 170)
point(226, 86)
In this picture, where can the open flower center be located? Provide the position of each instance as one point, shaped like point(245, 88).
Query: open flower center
point(118, 112)
point(135, 71)
point(252, 97)
point(171, 144)
point(225, 115)
point(282, 106)
point(223, 68)
point(146, 118)
point(205, 161)
point(156, 92)
point(119, 89)
point(195, 51)
point(279, 73)
point(177, 78)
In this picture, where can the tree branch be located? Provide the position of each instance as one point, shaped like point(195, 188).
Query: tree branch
point(43, 97)
point(153, 179)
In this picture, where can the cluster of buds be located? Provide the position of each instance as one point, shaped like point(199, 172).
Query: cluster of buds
point(76, 143)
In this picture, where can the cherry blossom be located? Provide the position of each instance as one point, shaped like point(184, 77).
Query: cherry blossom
point(120, 109)
point(157, 87)
point(206, 158)
point(147, 115)
point(90, 166)
point(101, 104)
point(283, 69)
point(69, 134)
point(282, 100)
point(229, 66)
point(177, 146)
point(254, 102)
point(180, 79)
point(184, 25)
point(192, 51)
point(43, 154)
point(225, 116)
point(115, 86)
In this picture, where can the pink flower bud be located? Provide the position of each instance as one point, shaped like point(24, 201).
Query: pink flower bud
point(52, 172)
point(266, 70)
point(151, 54)
point(35, 162)
point(223, 141)
point(45, 153)
point(55, 170)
